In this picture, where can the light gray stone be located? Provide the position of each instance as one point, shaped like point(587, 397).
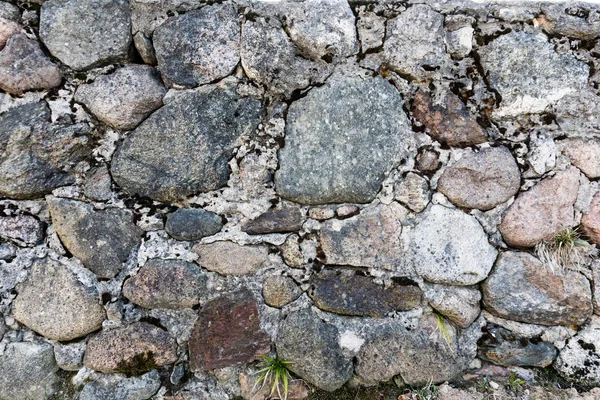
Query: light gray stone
point(280, 290)
point(98, 184)
point(7, 251)
point(9, 11)
point(133, 388)
point(371, 30)
point(577, 21)
point(451, 247)
point(413, 192)
point(580, 359)
point(147, 15)
point(145, 47)
point(22, 229)
point(124, 98)
point(69, 356)
point(228, 258)
point(192, 224)
point(201, 128)
point(199, 46)
point(86, 33)
point(459, 304)
point(56, 304)
point(459, 42)
point(327, 128)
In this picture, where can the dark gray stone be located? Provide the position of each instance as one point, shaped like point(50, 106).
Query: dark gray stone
point(86, 33)
point(102, 240)
point(275, 221)
point(193, 224)
point(311, 345)
point(22, 229)
point(199, 46)
point(98, 185)
point(201, 129)
point(35, 155)
point(328, 129)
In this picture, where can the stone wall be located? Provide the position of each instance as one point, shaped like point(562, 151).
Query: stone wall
point(394, 192)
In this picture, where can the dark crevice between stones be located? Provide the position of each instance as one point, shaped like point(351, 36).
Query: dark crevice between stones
point(137, 365)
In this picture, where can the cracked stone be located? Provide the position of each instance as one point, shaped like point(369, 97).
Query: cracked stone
point(413, 192)
point(275, 221)
point(192, 224)
point(280, 290)
point(228, 258)
point(22, 229)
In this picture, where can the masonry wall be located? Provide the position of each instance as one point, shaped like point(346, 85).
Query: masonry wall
point(386, 194)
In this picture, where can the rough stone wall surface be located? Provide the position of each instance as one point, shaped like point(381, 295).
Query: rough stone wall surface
point(379, 193)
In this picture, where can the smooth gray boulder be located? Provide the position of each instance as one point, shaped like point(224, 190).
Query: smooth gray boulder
point(192, 224)
point(132, 388)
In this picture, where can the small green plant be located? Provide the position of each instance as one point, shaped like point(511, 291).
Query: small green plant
point(442, 326)
point(566, 250)
point(427, 392)
point(514, 382)
point(276, 371)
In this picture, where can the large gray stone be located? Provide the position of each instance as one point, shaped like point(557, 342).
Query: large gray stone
point(450, 247)
point(28, 371)
point(102, 240)
point(544, 75)
point(35, 155)
point(199, 46)
point(192, 224)
point(580, 358)
point(201, 129)
point(125, 98)
point(328, 129)
point(311, 345)
point(133, 388)
point(56, 304)
point(520, 288)
point(481, 180)
point(86, 33)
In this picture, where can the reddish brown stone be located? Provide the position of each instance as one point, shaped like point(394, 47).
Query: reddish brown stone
point(448, 120)
point(227, 333)
point(590, 222)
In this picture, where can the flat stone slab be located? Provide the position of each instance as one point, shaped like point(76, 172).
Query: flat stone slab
point(192, 224)
point(275, 221)
point(228, 258)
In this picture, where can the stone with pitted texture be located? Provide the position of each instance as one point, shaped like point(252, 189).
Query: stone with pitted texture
point(228, 258)
point(192, 224)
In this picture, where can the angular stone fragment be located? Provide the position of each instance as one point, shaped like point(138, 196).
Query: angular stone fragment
point(124, 98)
point(8, 29)
point(133, 349)
point(23, 66)
point(503, 347)
point(311, 345)
point(521, 289)
point(577, 22)
point(447, 119)
point(590, 222)
point(428, 160)
point(358, 295)
point(22, 229)
point(98, 185)
point(201, 129)
point(199, 46)
point(413, 191)
point(580, 358)
point(144, 46)
point(36, 156)
point(321, 213)
point(54, 303)
point(146, 15)
point(86, 33)
point(481, 180)
point(228, 333)
point(545, 76)
point(28, 371)
point(371, 30)
point(585, 155)
point(413, 45)
point(370, 239)
point(228, 258)
point(102, 240)
point(192, 224)
point(459, 304)
point(69, 356)
point(292, 252)
point(542, 211)
point(327, 128)
point(166, 284)
point(280, 290)
point(459, 42)
point(451, 247)
point(275, 221)
point(132, 388)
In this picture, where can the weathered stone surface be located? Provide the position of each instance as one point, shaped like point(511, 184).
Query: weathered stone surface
point(54, 303)
point(503, 347)
point(228, 258)
point(36, 156)
point(124, 98)
point(86, 33)
point(347, 211)
point(228, 333)
point(135, 348)
point(23, 66)
point(585, 155)
point(412, 44)
point(450, 247)
point(459, 42)
point(133, 388)
point(541, 211)
point(580, 358)
point(316, 358)
point(146, 15)
point(102, 240)
point(481, 180)
point(69, 356)
point(575, 22)
point(413, 191)
point(292, 252)
point(98, 185)
point(201, 129)
point(144, 46)
point(371, 30)
point(280, 290)
point(166, 284)
point(370, 239)
point(28, 371)
point(353, 153)
point(199, 46)
point(459, 304)
point(321, 213)
point(428, 160)
point(520, 288)
point(447, 119)
point(22, 229)
point(590, 222)
point(322, 29)
point(359, 296)
point(544, 75)
point(192, 224)
point(8, 29)
point(7, 251)
point(275, 221)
